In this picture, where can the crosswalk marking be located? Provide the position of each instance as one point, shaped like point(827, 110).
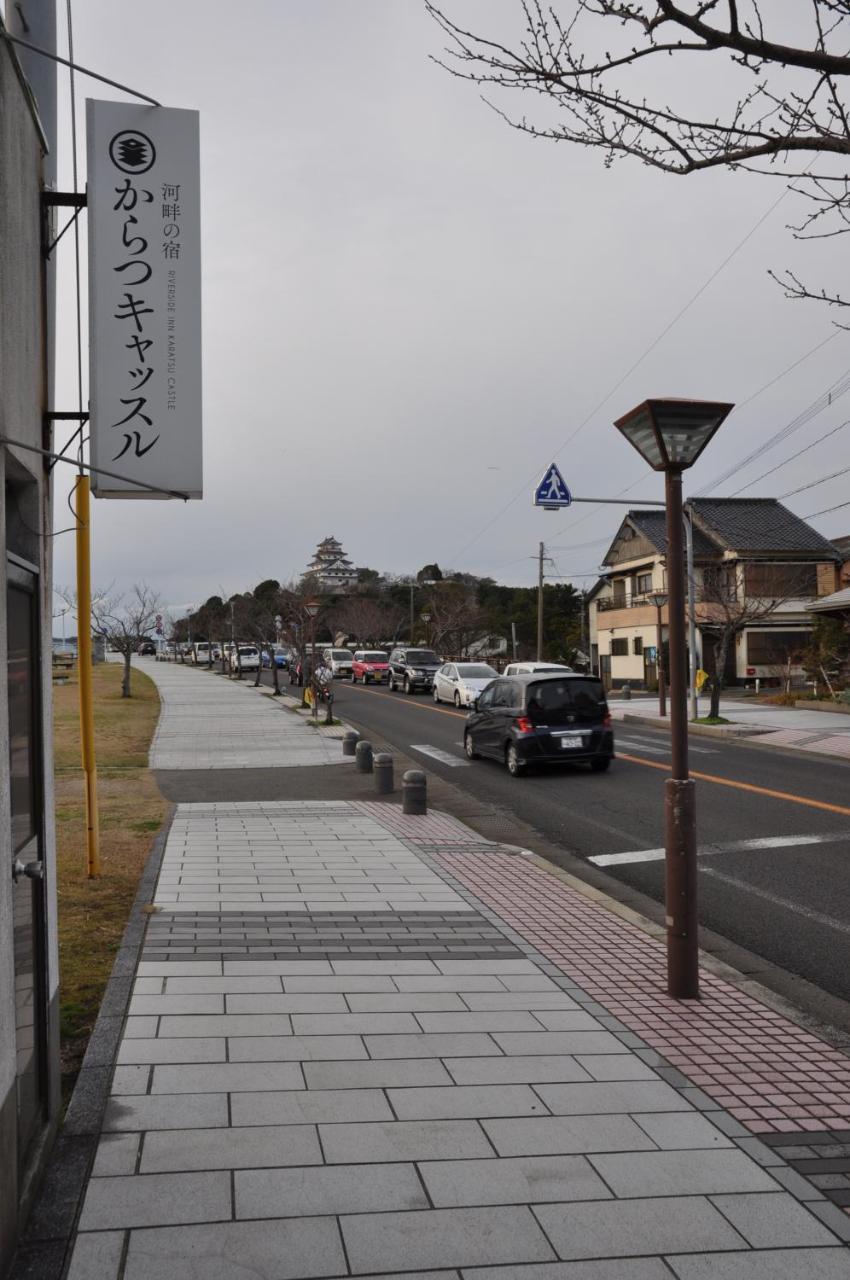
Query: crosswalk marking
point(732, 846)
point(445, 757)
point(650, 745)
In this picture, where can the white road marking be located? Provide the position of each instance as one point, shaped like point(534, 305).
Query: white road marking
point(733, 846)
point(445, 757)
point(647, 744)
point(817, 916)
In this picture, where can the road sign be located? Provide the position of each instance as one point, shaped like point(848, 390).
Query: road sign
point(552, 493)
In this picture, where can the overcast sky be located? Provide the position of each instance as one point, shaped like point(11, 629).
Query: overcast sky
point(409, 307)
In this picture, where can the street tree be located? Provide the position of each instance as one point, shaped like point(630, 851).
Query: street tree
point(827, 655)
point(124, 621)
point(728, 605)
point(683, 86)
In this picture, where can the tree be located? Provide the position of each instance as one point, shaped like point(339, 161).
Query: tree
point(728, 608)
point(366, 620)
point(775, 88)
point(827, 656)
point(124, 622)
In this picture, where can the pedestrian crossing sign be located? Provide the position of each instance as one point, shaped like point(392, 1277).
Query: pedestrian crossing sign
point(552, 493)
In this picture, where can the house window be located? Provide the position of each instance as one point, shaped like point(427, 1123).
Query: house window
point(781, 581)
point(774, 648)
point(620, 647)
point(637, 645)
point(643, 586)
point(619, 593)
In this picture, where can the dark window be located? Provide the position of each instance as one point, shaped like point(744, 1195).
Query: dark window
point(557, 701)
point(505, 694)
point(781, 581)
point(774, 648)
point(643, 584)
point(637, 644)
point(416, 657)
point(620, 647)
point(485, 699)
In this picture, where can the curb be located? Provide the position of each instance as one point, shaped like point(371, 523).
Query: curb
point(42, 1251)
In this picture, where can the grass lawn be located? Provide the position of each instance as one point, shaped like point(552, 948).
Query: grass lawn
point(93, 913)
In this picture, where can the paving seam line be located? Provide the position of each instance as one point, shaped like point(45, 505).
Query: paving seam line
point(743, 1138)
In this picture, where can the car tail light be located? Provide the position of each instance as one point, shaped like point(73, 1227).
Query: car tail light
point(524, 724)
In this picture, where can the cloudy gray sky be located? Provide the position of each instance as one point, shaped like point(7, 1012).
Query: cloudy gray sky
point(409, 308)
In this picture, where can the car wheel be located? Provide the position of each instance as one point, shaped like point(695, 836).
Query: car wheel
point(601, 764)
point(406, 685)
point(468, 747)
point(516, 767)
point(436, 695)
point(457, 699)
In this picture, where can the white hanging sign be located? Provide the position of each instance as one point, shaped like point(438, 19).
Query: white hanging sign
point(144, 299)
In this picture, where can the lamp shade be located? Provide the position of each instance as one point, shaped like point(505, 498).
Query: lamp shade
point(671, 434)
point(312, 607)
point(657, 598)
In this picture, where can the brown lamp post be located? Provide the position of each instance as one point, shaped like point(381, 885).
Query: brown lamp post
point(659, 599)
point(311, 608)
point(670, 435)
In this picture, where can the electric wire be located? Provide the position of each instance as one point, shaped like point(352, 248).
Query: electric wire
point(636, 364)
point(814, 484)
point(833, 431)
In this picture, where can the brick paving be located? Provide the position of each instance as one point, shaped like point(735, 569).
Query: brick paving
point(770, 1074)
point(436, 1116)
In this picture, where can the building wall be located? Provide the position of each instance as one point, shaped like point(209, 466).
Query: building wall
point(25, 524)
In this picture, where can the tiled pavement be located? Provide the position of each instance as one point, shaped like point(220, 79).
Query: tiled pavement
point(432, 1115)
point(210, 722)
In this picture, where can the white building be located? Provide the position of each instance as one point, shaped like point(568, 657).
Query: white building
point(330, 571)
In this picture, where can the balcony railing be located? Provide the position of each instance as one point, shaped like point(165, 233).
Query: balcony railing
point(622, 602)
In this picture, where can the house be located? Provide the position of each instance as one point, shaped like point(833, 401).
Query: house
point(753, 559)
point(330, 571)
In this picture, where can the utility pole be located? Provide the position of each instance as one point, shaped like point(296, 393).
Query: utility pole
point(411, 613)
point(540, 602)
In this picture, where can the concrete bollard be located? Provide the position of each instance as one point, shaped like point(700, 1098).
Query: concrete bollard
point(383, 770)
point(349, 742)
point(363, 756)
point(414, 797)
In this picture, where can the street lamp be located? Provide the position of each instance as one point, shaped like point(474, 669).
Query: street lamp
point(659, 599)
point(311, 608)
point(426, 618)
point(670, 435)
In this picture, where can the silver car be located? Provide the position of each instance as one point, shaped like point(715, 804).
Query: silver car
point(460, 682)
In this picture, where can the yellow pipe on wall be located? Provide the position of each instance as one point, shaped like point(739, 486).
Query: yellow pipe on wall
point(84, 664)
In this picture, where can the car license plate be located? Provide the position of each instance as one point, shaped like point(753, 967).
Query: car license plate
point(572, 744)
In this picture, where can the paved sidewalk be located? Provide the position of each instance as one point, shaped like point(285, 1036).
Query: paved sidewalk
point(210, 722)
point(821, 732)
point(339, 1060)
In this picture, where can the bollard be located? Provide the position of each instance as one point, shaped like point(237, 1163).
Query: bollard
point(363, 756)
point(349, 742)
point(413, 792)
point(383, 770)
point(626, 691)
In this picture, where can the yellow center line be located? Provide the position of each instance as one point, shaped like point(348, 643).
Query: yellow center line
point(653, 764)
point(743, 786)
point(420, 706)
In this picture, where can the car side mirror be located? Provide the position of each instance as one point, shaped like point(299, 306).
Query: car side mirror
point(475, 702)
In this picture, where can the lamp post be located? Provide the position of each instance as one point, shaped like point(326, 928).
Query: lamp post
point(426, 618)
point(659, 599)
point(311, 608)
point(670, 435)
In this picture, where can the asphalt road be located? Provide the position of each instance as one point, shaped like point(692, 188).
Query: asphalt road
point(774, 827)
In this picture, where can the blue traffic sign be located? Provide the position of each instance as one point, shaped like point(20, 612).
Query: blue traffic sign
point(552, 492)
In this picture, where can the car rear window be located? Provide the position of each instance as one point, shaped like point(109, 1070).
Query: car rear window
point(340, 655)
point(554, 701)
point(373, 657)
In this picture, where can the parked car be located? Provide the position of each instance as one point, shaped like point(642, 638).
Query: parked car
point(201, 653)
point(248, 657)
point(541, 719)
point(412, 669)
point(459, 682)
point(370, 666)
point(146, 648)
point(339, 661)
point(533, 668)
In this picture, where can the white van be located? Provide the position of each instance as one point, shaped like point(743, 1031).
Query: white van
point(201, 652)
point(532, 668)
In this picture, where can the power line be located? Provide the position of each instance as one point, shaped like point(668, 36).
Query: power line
point(793, 457)
point(637, 363)
point(813, 484)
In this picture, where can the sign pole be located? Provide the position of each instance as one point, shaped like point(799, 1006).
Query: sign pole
point(540, 602)
point(84, 664)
